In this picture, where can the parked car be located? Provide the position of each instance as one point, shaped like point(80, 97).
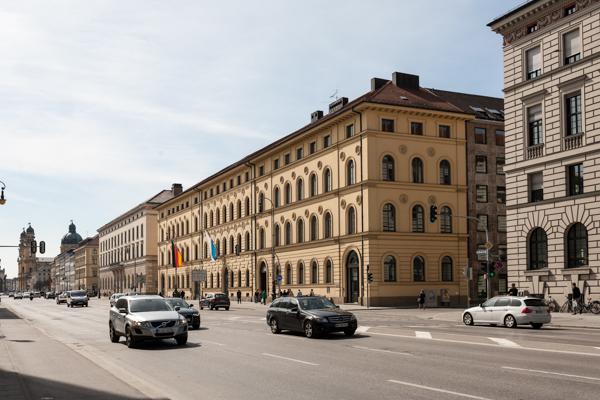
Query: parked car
point(18, 296)
point(509, 311)
point(311, 315)
point(77, 298)
point(11, 294)
point(50, 295)
point(61, 297)
point(114, 297)
point(187, 310)
point(214, 301)
point(26, 295)
point(145, 317)
point(36, 294)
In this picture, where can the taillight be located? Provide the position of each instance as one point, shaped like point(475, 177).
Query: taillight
point(526, 310)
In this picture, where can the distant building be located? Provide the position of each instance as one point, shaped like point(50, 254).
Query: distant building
point(33, 272)
point(63, 266)
point(3, 279)
point(86, 264)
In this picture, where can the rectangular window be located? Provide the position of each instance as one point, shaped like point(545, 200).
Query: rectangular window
point(444, 131)
point(501, 223)
point(500, 165)
point(312, 147)
point(480, 135)
point(239, 180)
point(482, 224)
point(299, 153)
point(246, 176)
point(499, 137)
point(349, 131)
point(536, 187)
point(387, 125)
point(481, 193)
point(481, 164)
point(534, 62)
point(218, 189)
point(571, 47)
point(224, 186)
point(570, 9)
point(286, 159)
point(573, 107)
point(326, 141)
point(261, 170)
point(575, 179)
point(231, 183)
point(501, 194)
point(276, 163)
point(534, 125)
point(416, 128)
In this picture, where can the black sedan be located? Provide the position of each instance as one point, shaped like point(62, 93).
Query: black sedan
point(191, 314)
point(311, 315)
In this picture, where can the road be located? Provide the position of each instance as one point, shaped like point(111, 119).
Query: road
point(394, 355)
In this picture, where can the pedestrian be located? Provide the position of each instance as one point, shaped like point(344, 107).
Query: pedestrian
point(299, 293)
point(513, 291)
point(161, 294)
point(576, 299)
point(182, 294)
point(290, 293)
point(175, 294)
point(312, 293)
point(239, 296)
point(421, 300)
point(263, 297)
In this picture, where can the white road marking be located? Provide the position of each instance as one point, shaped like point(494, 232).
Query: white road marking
point(423, 335)
point(504, 342)
point(400, 353)
point(553, 373)
point(597, 348)
point(469, 396)
point(362, 329)
point(211, 342)
point(287, 358)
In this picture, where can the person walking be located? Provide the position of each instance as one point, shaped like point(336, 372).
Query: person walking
point(421, 300)
point(312, 293)
point(299, 293)
point(576, 298)
point(263, 297)
point(513, 291)
point(239, 296)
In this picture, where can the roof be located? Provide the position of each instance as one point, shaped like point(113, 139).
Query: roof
point(157, 199)
point(513, 11)
point(482, 107)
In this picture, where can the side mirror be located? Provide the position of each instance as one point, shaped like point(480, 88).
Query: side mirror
point(122, 310)
point(177, 308)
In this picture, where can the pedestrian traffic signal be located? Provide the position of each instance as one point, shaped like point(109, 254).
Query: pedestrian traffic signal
point(433, 213)
point(370, 277)
point(33, 247)
point(42, 247)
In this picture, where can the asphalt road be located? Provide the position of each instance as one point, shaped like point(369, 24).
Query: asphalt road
point(394, 355)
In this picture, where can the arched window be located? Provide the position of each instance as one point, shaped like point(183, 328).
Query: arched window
point(327, 225)
point(389, 269)
point(218, 279)
point(217, 217)
point(239, 209)
point(418, 269)
point(387, 168)
point(224, 214)
point(247, 206)
point(261, 239)
point(231, 244)
point(218, 247)
point(300, 231)
point(239, 242)
point(299, 189)
point(314, 188)
point(288, 233)
point(212, 280)
point(314, 273)
point(261, 202)
point(538, 249)
point(196, 252)
point(205, 254)
point(447, 274)
point(239, 278)
point(327, 181)
point(445, 177)
point(301, 274)
point(389, 218)
point(314, 228)
point(224, 246)
point(195, 224)
point(231, 215)
point(328, 271)
point(277, 235)
point(276, 195)
point(418, 223)
point(287, 193)
point(288, 274)
point(577, 246)
point(446, 220)
point(417, 170)
point(350, 173)
point(205, 220)
point(212, 218)
point(351, 221)
point(248, 244)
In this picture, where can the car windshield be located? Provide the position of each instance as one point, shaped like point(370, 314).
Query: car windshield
point(220, 296)
point(315, 303)
point(177, 303)
point(147, 305)
point(77, 293)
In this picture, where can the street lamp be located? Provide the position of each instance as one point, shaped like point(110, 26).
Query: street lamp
point(2, 199)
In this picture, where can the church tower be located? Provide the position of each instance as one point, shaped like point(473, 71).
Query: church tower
point(27, 260)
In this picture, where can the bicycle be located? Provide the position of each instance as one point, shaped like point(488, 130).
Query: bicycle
point(567, 305)
point(592, 306)
point(552, 304)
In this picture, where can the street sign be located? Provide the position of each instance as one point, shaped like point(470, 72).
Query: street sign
point(279, 279)
point(488, 245)
point(198, 275)
point(481, 252)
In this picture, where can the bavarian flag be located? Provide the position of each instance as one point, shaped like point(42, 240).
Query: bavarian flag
point(177, 256)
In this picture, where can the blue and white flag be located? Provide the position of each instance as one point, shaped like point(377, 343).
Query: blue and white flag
point(211, 244)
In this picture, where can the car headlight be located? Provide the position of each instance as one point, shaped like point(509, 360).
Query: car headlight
point(321, 319)
point(182, 321)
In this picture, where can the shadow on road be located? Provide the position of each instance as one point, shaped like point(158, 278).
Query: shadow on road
point(162, 345)
point(6, 314)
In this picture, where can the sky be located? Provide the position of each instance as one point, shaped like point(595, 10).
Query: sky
point(105, 103)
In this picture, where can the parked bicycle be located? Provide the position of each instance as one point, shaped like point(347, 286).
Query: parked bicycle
point(592, 306)
point(567, 305)
point(552, 304)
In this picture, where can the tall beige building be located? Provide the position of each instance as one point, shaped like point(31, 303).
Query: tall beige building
point(86, 264)
point(551, 79)
point(346, 195)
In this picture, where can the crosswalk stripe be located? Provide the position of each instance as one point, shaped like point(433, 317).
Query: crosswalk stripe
point(505, 342)
point(423, 335)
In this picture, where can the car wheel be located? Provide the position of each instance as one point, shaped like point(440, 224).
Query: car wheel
point(468, 319)
point(510, 321)
point(129, 339)
point(196, 326)
point(309, 329)
point(226, 308)
point(181, 339)
point(536, 325)
point(274, 326)
point(114, 337)
point(349, 332)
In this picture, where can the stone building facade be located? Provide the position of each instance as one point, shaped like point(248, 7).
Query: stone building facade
point(348, 194)
point(86, 265)
point(551, 77)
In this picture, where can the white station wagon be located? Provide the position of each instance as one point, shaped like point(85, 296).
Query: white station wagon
point(509, 311)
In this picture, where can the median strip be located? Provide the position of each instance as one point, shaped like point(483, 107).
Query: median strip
point(288, 359)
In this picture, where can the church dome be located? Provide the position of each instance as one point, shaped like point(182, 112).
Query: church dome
point(72, 237)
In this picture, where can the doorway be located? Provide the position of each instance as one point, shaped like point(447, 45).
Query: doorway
point(263, 277)
point(352, 278)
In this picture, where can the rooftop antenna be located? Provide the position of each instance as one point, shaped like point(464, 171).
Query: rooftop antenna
point(334, 95)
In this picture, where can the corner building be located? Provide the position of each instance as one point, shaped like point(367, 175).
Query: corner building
point(551, 79)
point(346, 194)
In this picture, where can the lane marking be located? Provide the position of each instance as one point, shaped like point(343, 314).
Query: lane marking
point(553, 373)
point(423, 335)
point(597, 348)
point(211, 342)
point(288, 359)
point(504, 342)
point(400, 353)
point(469, 396)
point(362, 329)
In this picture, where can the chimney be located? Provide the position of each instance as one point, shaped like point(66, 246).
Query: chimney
point(176, 189)
point(405, 81)
point(376, 83)
point(338, 104)
point(315, 116)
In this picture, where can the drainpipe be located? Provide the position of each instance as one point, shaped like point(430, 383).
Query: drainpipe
point(362, 203)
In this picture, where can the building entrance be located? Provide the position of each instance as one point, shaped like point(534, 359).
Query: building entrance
point(352, 278)
point(263, 277)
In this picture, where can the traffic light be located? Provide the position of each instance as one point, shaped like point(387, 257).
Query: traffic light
point(370, 277)
point(33, 247)
point(42, 247)
point(433, 213)
point(492, 271)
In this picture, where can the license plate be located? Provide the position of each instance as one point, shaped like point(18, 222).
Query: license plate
point(162, 330)
point(341, 325)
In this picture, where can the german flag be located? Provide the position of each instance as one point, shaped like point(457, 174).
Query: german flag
point(177, 256)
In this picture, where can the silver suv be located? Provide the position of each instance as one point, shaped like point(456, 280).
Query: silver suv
point(145, 317)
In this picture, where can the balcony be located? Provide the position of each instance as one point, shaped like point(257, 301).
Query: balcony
point(535, 151)
point(573, 141)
